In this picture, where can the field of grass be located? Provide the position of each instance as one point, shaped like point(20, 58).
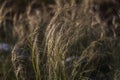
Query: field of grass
point(59, 40)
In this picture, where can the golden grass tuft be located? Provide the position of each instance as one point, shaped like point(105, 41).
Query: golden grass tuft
point(62, 40)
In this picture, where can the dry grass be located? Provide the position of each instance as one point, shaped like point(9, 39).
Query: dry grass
point(63, 40)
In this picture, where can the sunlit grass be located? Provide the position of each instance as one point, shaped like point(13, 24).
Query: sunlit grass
point(61, 42)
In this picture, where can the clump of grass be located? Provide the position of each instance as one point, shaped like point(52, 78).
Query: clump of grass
point(71, 32)
point(66, 40)
point(37, 16)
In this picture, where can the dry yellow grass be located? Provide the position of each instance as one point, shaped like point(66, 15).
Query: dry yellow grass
point(64, 40)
